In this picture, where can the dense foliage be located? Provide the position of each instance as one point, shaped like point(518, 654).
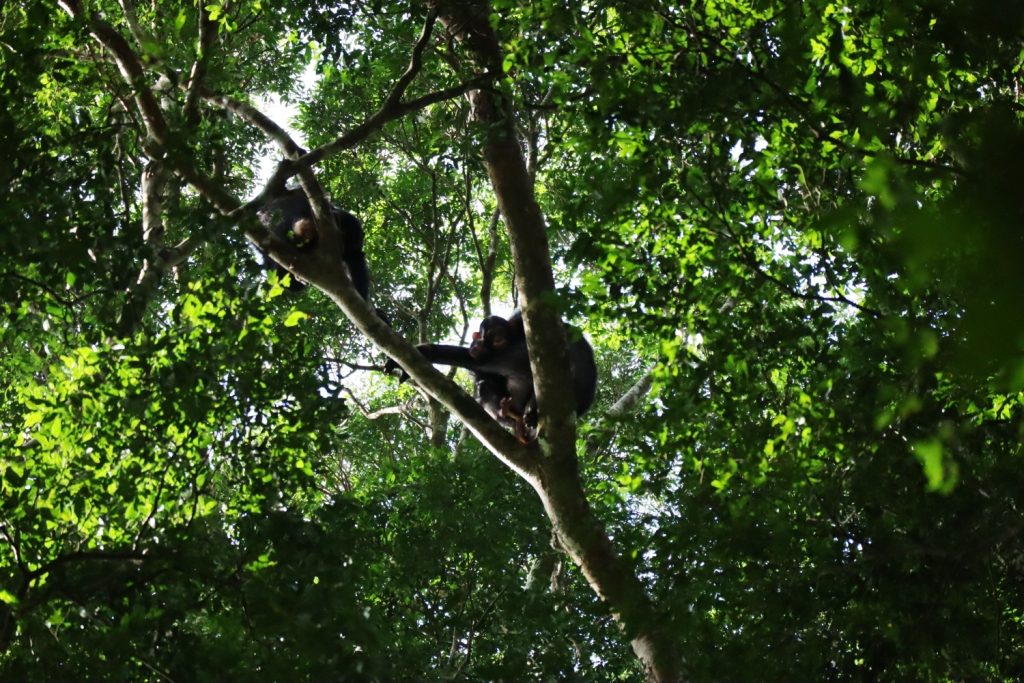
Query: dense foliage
point(805, 219)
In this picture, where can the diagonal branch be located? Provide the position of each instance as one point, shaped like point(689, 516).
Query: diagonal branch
point(130, 66)
point(391, 111)
point(157, 146)
point(128, 8)
point(628, 402)
point(415, 61)
point(255, 117)
point(625, 406)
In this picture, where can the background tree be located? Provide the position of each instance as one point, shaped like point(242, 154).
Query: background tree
point(790, 230)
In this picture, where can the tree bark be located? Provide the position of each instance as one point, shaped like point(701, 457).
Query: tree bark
point(556, 477)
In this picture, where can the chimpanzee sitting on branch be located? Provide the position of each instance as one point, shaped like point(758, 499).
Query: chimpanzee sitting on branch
point(499, 361)
point(290, 218)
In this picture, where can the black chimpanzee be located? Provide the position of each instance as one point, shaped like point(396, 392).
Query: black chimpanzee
point(515, 404)
point(499, 361)
point(290, 217)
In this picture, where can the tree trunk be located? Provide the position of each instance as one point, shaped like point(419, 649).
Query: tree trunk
point(556, 477)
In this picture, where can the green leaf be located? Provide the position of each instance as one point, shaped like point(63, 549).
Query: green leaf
point(295, 317)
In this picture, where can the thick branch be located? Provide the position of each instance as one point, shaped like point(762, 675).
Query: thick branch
point(524, 460)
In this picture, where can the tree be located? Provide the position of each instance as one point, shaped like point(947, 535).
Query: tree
point(789, 229)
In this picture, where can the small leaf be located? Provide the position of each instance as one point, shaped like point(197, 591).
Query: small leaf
point(940, 472)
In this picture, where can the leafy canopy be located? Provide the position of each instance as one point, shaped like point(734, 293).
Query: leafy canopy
point(804, 216)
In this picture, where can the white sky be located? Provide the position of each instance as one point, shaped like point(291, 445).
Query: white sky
point(282, 114)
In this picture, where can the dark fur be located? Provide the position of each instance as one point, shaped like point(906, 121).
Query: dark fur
point(504, 382)
point(290, 217)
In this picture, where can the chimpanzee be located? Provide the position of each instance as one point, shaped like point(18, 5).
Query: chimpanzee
point(500, 363)
point(290, 217)
point(515, 404)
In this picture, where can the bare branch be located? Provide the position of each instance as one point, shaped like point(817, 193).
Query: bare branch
point(255, 117)
point(128, 8)
point(625, 406)
point(628, 402)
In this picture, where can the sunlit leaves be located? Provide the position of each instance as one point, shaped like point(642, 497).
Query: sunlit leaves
point(294, 318)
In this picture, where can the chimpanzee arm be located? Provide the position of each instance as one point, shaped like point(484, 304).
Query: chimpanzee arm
point(446, 354)
point(441, 354)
